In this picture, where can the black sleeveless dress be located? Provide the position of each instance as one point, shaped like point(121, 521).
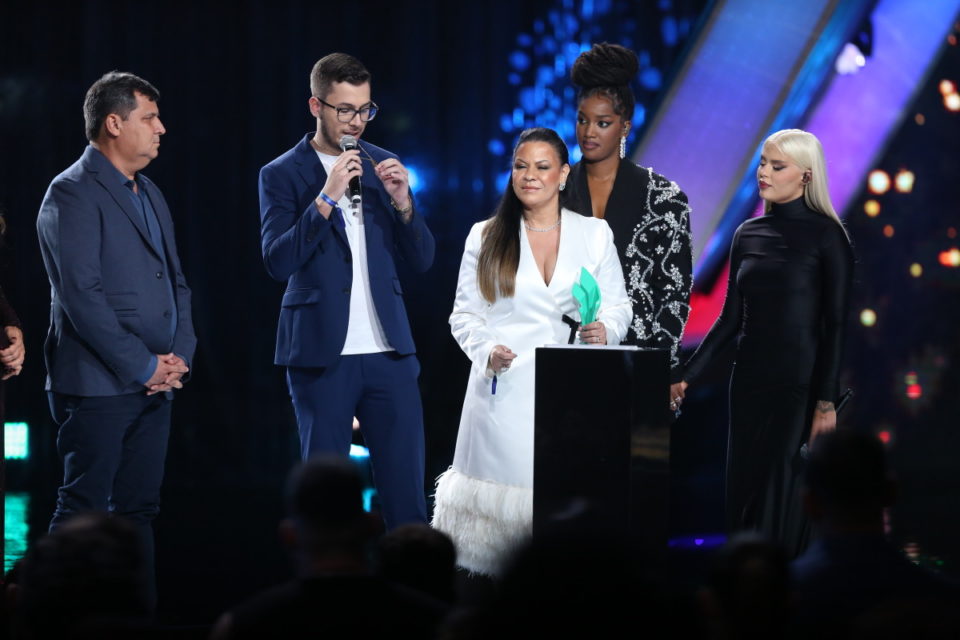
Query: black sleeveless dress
point(787, 297)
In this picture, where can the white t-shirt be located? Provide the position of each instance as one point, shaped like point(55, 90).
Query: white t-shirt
point(364, 333)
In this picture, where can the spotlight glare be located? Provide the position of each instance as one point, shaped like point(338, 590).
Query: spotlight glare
point(888, 230)
point(868, 317)
point(916, 270)
point(878, 181)
point(904, 181)
point(952, 101)
point(871, 208)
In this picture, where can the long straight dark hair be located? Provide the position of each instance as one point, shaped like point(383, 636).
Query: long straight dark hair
point(499, 254)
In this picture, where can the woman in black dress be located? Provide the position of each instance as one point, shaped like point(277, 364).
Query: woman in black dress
point(786, 303)
point(648, 214)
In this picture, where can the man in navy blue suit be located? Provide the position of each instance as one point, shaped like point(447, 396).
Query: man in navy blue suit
point(121, 334)
point(343, 331)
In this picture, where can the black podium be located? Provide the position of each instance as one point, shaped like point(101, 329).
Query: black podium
point(602, 444)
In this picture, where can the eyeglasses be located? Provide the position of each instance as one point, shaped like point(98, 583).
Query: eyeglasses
point(346, 114)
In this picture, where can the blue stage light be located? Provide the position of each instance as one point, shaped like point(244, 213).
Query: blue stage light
point(651, 78)
point(502, 181)
point(17, 527)
point(496, 147)
point(16, 441)
point(358, 452)
point(368, 498)
point(519, 60)
point(413, 177)
point(669, 31)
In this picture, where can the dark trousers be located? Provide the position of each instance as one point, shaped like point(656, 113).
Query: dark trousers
point(113, 450)
point(381, 390)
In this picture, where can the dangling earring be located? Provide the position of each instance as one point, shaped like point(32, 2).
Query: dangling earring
point(623, 147)
point(563, 185)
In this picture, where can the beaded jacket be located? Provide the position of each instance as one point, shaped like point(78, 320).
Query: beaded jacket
point(650, 219)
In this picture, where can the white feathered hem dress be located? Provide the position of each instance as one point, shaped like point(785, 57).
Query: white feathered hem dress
point(485, 500)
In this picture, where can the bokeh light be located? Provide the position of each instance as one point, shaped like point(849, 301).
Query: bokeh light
point(904, 181)
point(888, 230)
point(952, 101)
point(950, 257)
point(916, 270)
point(871, 208)
point(878, 181)
point(868, 317)
point(920, 119)
point(947, 87)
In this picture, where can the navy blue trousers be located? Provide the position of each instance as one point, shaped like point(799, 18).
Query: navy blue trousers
point(113, 450)
point(381, 390)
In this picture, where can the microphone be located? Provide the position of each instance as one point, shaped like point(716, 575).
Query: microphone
point(346, 144)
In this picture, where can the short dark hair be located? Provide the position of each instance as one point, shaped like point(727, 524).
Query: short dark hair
point(325, 498)
point(847, 471)
point(336, 67)
point(113, 93)
point(90, 569)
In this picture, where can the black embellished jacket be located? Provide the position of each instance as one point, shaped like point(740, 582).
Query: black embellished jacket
point(650, 219)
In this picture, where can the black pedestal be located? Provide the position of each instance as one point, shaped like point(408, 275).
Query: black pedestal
point(602, 445)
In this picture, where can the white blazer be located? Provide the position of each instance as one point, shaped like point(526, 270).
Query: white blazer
point(495, 441)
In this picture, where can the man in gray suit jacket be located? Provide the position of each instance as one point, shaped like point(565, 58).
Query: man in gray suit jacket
point(121, 336)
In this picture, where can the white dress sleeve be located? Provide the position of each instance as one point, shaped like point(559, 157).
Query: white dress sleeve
point(468, 322)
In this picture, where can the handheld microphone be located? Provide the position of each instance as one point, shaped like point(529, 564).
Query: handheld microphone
point(346, 144)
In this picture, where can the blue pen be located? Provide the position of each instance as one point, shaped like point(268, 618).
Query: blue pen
point(493, 386)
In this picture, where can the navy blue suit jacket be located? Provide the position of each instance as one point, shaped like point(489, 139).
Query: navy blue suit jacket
point(110, 304)
point(312, 255)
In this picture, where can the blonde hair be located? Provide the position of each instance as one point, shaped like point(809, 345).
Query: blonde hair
point(806, 151)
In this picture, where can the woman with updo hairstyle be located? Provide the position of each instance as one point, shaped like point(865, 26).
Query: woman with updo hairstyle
point(786, 304)
point(648, 213)
point(514, 290)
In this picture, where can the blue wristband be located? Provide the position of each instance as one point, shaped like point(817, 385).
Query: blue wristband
point(330, 201)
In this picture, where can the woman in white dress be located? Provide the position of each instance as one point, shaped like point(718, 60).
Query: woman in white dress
point(516, 279)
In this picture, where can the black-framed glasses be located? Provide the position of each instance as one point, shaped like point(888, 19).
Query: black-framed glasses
point(346, 114)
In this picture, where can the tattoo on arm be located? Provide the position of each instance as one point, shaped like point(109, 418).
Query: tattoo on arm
point(824, 407)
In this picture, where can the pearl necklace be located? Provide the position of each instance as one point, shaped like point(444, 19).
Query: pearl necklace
point(544, 229)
